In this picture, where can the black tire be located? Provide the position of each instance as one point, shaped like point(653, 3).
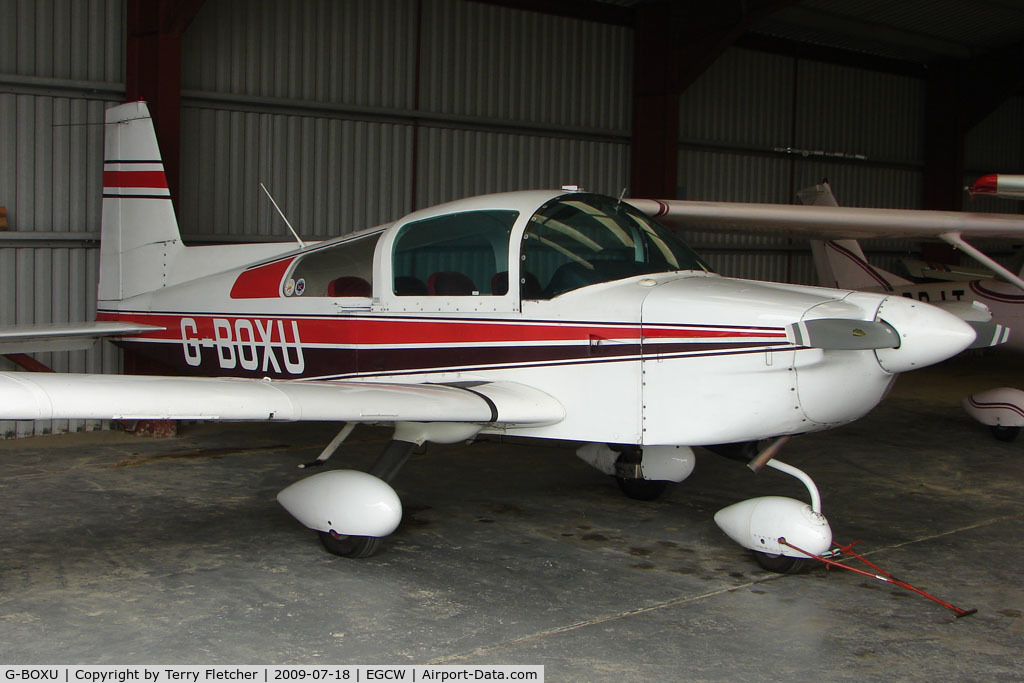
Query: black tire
point(1005, 433)
point(641, 489)
point(781, 564)
point(349, 546)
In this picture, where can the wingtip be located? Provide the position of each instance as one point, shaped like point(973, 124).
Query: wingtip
point(985, 185)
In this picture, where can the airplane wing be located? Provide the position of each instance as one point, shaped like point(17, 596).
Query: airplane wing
point(63, 336)
point(830, 222)
point(834, 222)
point(45, 396)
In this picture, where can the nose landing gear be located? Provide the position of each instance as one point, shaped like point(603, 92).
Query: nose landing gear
point(758, 523)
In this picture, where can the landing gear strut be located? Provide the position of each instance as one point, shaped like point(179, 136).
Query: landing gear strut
point(642, 472)
point(629, 476)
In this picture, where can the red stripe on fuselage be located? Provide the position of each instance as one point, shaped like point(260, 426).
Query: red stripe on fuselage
point(431, 331)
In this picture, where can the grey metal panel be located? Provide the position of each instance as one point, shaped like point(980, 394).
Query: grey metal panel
point(996, 145)
point(454, 164)
point(745, 98)
point(330, 176)
point(52, 180)
point(499, 63)
point(357, 53)
point(736, 177)
point(856, 111)
point(65, 39)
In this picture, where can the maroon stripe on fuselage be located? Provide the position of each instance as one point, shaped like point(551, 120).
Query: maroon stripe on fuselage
point(347, 362)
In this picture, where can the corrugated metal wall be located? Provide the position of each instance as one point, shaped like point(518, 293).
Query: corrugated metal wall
point(759, 127)
point(355, 113)
point(61, 65)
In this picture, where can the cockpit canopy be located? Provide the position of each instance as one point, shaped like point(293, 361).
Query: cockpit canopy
point(579, 240)
point(572, 241)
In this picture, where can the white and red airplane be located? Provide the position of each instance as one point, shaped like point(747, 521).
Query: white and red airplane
point(551, 314)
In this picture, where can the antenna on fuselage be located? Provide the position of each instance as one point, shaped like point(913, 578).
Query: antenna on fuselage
point(621, 195)
point(302, 245)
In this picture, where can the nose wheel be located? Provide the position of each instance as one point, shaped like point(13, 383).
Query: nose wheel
point(349, 546)
point(781, 564)
point(1004, 433)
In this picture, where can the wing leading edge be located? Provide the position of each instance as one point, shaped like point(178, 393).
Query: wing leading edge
point(45, 396)
point(830, 222)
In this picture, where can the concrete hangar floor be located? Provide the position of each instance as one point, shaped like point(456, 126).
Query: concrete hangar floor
point(117, 549)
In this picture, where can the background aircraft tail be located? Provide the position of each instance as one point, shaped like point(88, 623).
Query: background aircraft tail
point(841, 263)
point(139, 237)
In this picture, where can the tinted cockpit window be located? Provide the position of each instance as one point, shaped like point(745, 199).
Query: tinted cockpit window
point(581, 240)
point(461, 254)
point(344, 269)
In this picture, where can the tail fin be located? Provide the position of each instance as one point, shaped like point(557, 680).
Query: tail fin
point(139, 238)
point(841, 263)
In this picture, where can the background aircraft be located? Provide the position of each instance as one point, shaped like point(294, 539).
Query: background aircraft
point(553, 314)
point(841, 263)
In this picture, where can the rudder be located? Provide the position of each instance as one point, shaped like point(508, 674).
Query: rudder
point(139, 237)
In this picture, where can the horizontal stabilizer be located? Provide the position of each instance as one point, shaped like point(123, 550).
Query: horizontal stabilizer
point(45, 396)
point(64, 336)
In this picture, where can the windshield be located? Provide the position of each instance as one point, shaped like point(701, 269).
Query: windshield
point(580, 240)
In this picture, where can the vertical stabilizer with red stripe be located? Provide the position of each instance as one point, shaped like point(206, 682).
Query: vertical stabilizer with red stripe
point(841, 263)
point(139, 238)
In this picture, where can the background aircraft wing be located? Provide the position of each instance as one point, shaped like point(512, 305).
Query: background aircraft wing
point(829, 222)
point(44, 396)
point(63, 336)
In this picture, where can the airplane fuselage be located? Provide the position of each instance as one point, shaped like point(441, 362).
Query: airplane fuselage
point(640, 348)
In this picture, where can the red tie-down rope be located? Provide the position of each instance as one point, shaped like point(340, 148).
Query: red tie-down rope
point(881, 576)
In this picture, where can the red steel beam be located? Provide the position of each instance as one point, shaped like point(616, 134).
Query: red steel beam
point(674, 43)
point(153, 70)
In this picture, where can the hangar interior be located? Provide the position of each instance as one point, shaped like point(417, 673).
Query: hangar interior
point(356, 113)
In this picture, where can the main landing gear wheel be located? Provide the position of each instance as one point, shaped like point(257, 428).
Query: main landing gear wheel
point(781, 564)
point(349, 546)
point(1004, 433)
point(641, 489)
